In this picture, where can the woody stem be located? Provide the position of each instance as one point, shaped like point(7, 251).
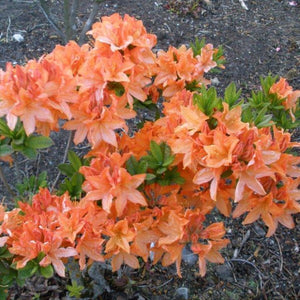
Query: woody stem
point(69, 143)
point(3, 178)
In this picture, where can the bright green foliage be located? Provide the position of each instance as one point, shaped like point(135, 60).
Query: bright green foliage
point(157, 165)
point(117, 87)
point(264, 109)
point(74, 180)
point(207, 100)
point(197, 46)
point(151, 108)
point(219, 58)
point(75, 289)
point(17, 141)
point(30, 186)
point(231, 95)
point(10, 275)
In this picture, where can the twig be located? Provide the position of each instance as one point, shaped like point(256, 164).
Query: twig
point(8, 29)
point(67, 19)
point(74, 9)
point(165, 283)
point(3, 178)
point(244, 6)
point(44, 9)
point(280, 252)
point(69, 142)
point(245, 238)
point(37, 171)
point(16, 163)
point(89, 21)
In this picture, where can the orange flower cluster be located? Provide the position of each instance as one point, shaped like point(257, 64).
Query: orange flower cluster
point(123, 215)
point(92, 87)
point(230, 160)
point(60, 228)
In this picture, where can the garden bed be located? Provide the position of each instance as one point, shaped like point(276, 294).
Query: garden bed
point(257, 41)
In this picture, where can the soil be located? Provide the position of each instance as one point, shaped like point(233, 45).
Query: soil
point(261, 40)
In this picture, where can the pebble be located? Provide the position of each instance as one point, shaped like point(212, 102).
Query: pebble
point(224, 272)
point(182, 294)
point(215, 81)
point(17, 37)
point(189, 257)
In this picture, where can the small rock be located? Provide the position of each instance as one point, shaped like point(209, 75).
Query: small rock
point(18, 37)
point(182, 294)
point(259, 231)
point(189, 257)
point(215, 81)
point(224, 272)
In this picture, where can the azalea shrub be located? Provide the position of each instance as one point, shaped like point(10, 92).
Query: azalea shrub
point(147, 192)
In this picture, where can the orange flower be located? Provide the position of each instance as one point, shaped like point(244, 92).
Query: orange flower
point(120, 33)
point(97, 125)
point(209, 252)
point(172, 226)
point(120, 236)
point(220, 152)
point(205, 60)
point(89, 245)
point(231, 119)
point(144, 237)
point(284, 91)
point(54, 252)
point(113, 182)
point(124, 257)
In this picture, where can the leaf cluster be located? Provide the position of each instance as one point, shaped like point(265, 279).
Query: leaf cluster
point(73, 180)
point(218, 55)
point(264, 109)
point(156, 165)
point(17, 141)
point(30, 186)
point(10, 275)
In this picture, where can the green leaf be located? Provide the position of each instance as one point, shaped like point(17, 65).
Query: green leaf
point(75, 289)
point(247, 115)
point(42, 180)
point(132, 165)
point(197, 46)
point(142, 167)
point(156, 152)
point(8, 279)
point(4, 129)
point(20, 281)
point(150, 176)
point(38, 142)
point(47, 272)
point(231, 95)
point(29, 270)
point(161, 170)
point(266, 122)
point(207, 101)
point(20, 137)
point(226, 173)
point(117, 87)
point(74, 160)
point(66, 169)
point(4, 253)
point(29, 152)
point(5, 150)
point(267, 82)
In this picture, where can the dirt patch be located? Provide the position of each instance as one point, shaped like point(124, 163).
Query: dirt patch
point(261, 40)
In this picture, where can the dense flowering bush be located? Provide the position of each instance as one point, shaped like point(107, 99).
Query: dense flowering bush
point(149, 192)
